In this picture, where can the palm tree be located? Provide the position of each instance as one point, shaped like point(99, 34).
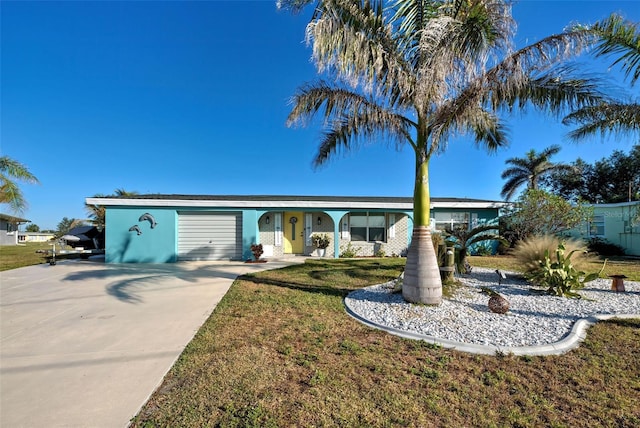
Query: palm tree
point(10, 193)
point(529, 170)
point(464, 238)
point(97, 212)
point(617, 37)
point(420, 72)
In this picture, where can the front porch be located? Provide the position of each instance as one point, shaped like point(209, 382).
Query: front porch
point(368, 233)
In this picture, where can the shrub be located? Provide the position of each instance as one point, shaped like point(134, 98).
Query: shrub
point(560, 276)
point(349, 252)
point(604, 247)
point(530, 251)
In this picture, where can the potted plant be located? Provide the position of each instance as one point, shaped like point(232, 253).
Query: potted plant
point(256, 250)
point(321, 241)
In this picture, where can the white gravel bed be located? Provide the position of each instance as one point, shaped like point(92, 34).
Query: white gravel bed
point(532, 319)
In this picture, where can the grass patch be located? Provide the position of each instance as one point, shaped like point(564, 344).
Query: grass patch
point(279, 351)
point(15, 256)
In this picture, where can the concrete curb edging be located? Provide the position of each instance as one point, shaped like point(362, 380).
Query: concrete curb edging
point(572, 340)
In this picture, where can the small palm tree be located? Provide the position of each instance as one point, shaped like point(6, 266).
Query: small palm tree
point(617, 37)
point(417, 73)
point(529, 170)
point(10, 193)
point(465, 238)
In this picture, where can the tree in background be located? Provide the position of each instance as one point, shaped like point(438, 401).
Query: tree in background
point(537, 212)
point(619, 38)
point(97, 212)
point(530, 170)
point(10, 172)
point(609, 180)
point(32, 227)
point(418, 73)
point(65, 225)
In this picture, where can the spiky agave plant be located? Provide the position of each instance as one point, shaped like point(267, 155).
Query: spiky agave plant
point(559, 275)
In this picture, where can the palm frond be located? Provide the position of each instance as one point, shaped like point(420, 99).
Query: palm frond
point(353, 130)
point(620, 37)
point(293, 5)
point(11, 194)
point(514, 170)
point(488, 130)
point(555, 93)
point(486, 237)
point(351, 118)
point(352, 40)
point(604, 119)
point(511, 186)
point(12, 168)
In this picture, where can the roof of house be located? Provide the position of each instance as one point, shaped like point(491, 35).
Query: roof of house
point(280, 201)
point(12, 219)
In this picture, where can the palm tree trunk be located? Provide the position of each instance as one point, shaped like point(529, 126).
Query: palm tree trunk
point(422, 283)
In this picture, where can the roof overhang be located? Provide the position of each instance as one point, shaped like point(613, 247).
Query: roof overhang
point(387, 203)
point(12, 219)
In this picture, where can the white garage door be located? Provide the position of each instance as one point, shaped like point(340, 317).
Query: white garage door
point(209, 236)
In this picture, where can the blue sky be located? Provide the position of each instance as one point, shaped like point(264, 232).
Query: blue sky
point(192, 98)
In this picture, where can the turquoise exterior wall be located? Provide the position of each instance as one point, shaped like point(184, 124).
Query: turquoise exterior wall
point(621, 225)
point(160, 244)
point(250, 234)
point(157, 245)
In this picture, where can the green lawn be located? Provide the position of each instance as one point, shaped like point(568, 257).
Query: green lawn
point(15, 256)
point(280, 351)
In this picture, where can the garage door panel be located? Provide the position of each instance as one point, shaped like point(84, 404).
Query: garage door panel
point(209, 236)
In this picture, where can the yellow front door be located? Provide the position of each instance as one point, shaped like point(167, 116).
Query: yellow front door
point(293, 233)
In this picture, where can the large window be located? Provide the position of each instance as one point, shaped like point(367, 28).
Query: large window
point(367, 227)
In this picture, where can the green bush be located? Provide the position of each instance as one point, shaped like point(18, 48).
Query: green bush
point(560, 276)
point(349, 251)
point(380, 252)
point(605, 248)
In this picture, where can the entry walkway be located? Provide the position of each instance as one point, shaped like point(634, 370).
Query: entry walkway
point(84, 344)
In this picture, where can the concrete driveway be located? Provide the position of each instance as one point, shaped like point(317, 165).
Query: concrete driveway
point(84, 344)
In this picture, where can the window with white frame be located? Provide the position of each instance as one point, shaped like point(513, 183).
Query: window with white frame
point(368, 227)
point(450, 220)
point(596, 225)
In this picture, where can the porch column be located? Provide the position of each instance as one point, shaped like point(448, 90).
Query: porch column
point(336, 216)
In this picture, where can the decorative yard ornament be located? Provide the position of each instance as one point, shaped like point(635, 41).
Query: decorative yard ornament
point(497, 304)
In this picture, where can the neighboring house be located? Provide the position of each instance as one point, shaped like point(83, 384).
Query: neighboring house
point(35, 236)
point(617, 223)
point(9, 229)
point(170, 228)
